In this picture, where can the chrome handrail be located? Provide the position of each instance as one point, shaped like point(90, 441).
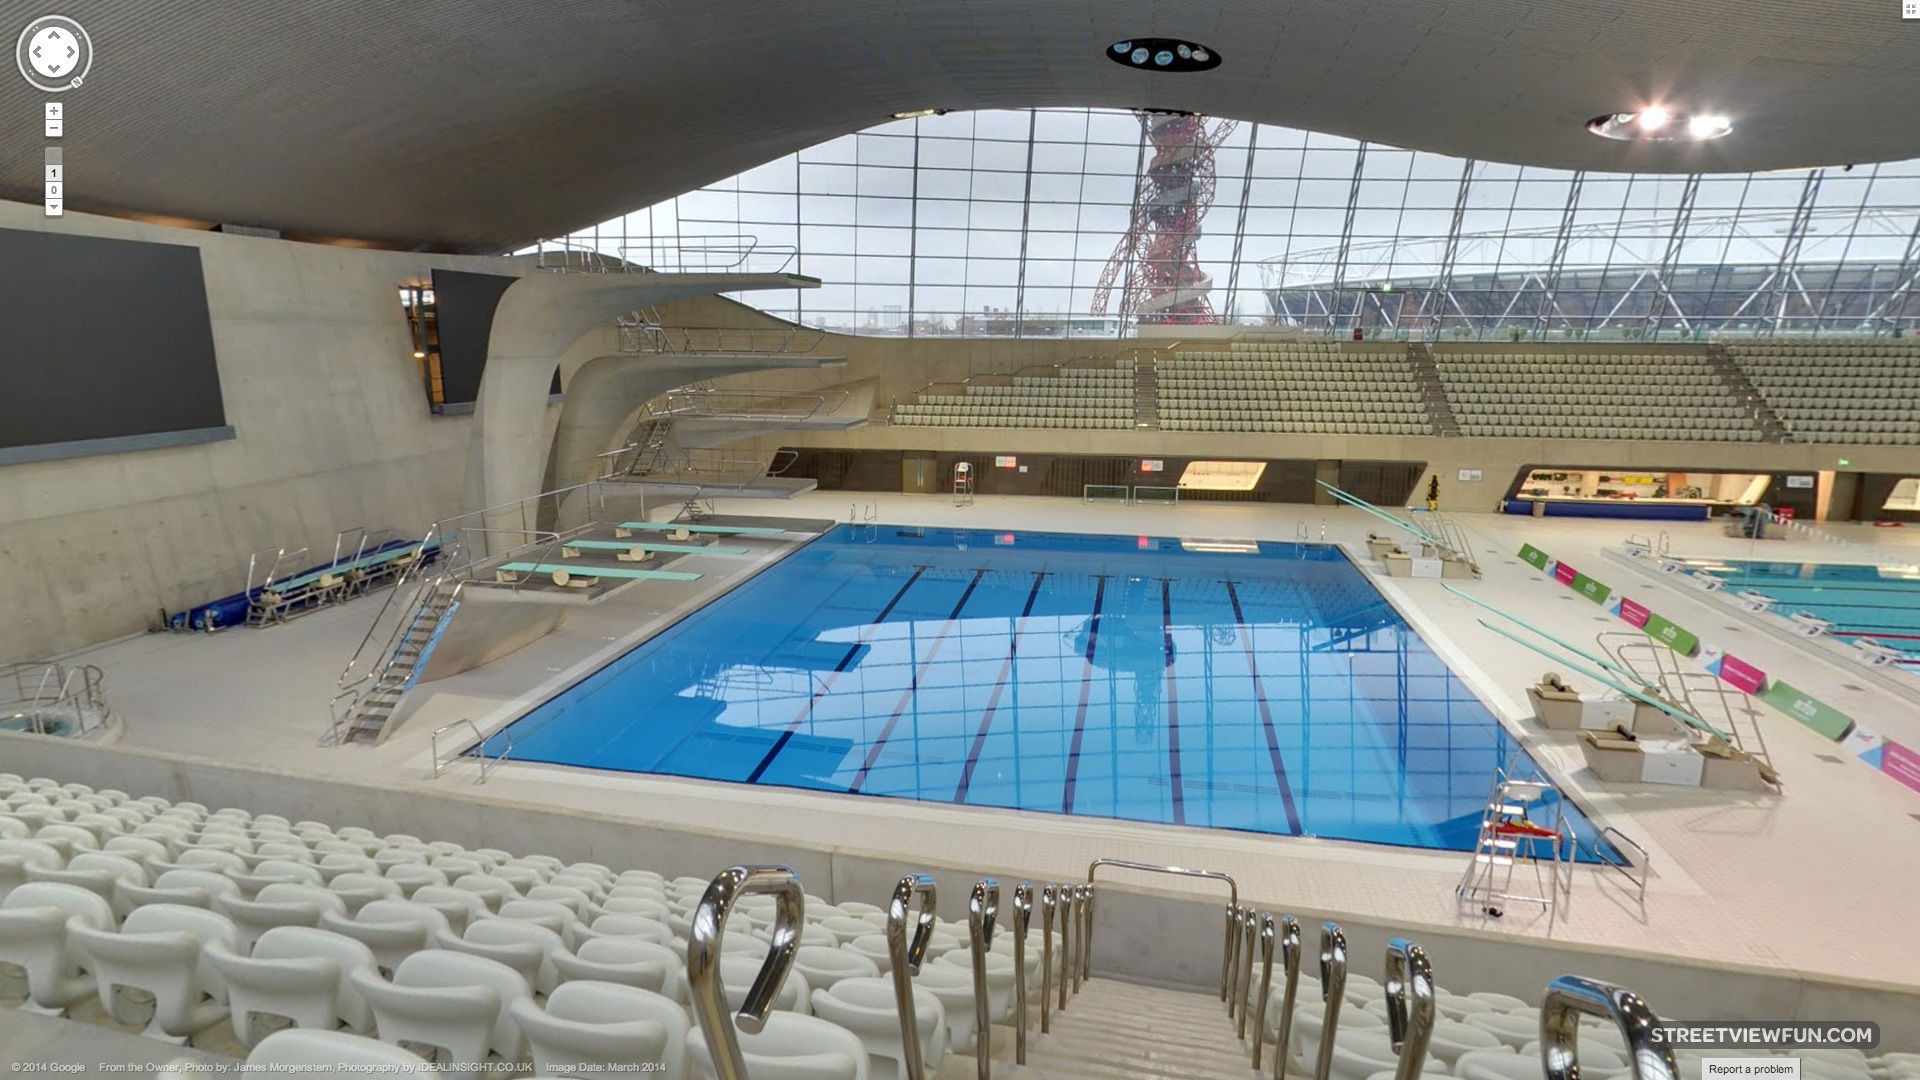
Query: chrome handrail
point(1249, 931)
point(983, 911)
point(1290, 949)
point(1022, 918)
point(1333, 989)
point(1571, 996)
point(1266, 986)
point(905, 957)
point(436, 742)
point(704, 942)
point(1626, 867)
point(1410, 1005)
point(1067, 966)
point(1047, 903)
point(1233, 903)
point(1083, 904)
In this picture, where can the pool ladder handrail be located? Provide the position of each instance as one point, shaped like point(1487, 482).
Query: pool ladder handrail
point(442, 729)
point(1228, 955)
point(704, 942)
point(1570, 997)
point(905, 956)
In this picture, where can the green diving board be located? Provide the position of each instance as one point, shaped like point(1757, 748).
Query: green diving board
point(563, 575)
point(715, 530)
point(342, 568)
point(653, 545)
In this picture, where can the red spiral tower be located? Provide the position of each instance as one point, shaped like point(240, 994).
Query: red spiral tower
point(1167, 285)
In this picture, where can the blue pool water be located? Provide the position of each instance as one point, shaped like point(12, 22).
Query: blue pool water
point(1264, 687)
point(1882, 603)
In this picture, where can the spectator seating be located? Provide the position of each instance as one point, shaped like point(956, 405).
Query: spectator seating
point(1838, 392)
point(1592, 394)
point(1291, 387)
point(1066, 397)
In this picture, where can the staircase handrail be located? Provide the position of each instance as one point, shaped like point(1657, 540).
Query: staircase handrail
point(1410, 1005)
point(905, 957)
point(708, 936)
point(983, 911)
point(1333, 990)
point(1233, 905)
point(1291, 948)
point(1570, 997)
point(1022, 918)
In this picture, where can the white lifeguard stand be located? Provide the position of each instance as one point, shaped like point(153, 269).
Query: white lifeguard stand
point(962, 484)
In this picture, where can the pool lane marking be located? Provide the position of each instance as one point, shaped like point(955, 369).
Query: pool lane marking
point(1086, 690)
point(999, 688)
point(1266, 713)
point(1173, 704)
point(913, 685)
point(826, 684)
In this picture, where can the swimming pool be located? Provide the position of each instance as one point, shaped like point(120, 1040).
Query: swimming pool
point(1877, 602)
point(1225, 684)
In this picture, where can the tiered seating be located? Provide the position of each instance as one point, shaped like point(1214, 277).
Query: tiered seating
point(1834, 392)
point(373, 947)
point(1290, 387)
point(1575, 394)
point(1071, 397)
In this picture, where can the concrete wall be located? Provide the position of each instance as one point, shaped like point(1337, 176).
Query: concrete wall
point(1141, 931)
point(332, 429)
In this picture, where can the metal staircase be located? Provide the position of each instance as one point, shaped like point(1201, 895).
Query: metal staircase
point(371, 692)
point(1772, 428)
point(1432, 391)
point(1146, 391)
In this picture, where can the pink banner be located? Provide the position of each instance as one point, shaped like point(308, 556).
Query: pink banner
point(1902, 763)
point(1564, 574)
point(1633, 613)
point(1741, 674)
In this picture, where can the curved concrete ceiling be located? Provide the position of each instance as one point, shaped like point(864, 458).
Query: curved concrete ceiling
point(481, 125)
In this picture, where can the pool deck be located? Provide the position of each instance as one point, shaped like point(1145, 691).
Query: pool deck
point(1822, 880)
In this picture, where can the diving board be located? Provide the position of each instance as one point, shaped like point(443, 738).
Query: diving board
point(626, 548)
point(580, 576)
point(625, 527)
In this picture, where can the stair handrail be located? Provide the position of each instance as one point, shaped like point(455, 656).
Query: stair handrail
point(1410, 1005)
point(1233, 903)
point(1333, 990)
point(1047, 903)
point(983, 911)
point(1083, 910)
point(704, 942)
point(407, 575)
point(1022, 919)
point(1249, 931)
point(437, 732)
point(1570, 997)
point(1625, 866)
point(905, 956)
point(1066, 944)
point(1290, 950)
point(1266, 985)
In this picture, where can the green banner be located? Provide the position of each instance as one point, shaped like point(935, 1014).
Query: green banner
point(1807, 709)
point(1590, 588)
point(1674, 636)
point(1533, 556)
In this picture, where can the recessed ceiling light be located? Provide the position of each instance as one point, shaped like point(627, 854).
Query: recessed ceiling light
point(1163, 54)
point(1659, 123)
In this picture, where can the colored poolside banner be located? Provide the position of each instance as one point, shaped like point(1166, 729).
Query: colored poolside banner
point(1808, 709)
point(1672, 634)
point(1902, 763)
point(1631, 613)
point(1590, 588)
point(1564, 574)
point(1533, 556)
point(1736, 672)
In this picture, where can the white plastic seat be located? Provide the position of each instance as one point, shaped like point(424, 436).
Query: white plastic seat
point(333, 864)
point(144, 850)
point(17, 856)
point(193, 888)
point(358, 890)
point(736, 976)
point(514, 943)
point(633, 926)
point(163, 951)
point(593, 885)
point(1451, 1038)
point(1514, 1029)
point(1502, 1002)
point(954, 987)
point(596, 1027)
point(412, 876)
point(874, 948)
point(391, 929)
point(790, 1047)
point(1496, 1065)
point(98, 872)
point(577, 900)
point(299, 974)
point(645, 906)
point(458, 905)
point(279, 904)
point(627, 961)
point(69, 840)
point(551, 914)
point(457, 1006)
point(267, 872)
point(491, 890)
point(34, 922)
point(865, 1006)
point(823, 967)
point(1000, 979)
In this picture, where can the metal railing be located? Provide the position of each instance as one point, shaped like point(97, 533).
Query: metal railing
point(642, 336)
point(1333, 990)
point(75, 694)
point(1290, 950)
point(983, 911)
point(1227, 957)
point(704, 941)
point(1570, 997)
point(1022, 919)
point(437, 732)
point(1625, 865)
point(1410, 1005)
point(905, 956)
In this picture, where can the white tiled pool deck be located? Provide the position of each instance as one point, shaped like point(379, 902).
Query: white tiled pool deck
point(1823, 879)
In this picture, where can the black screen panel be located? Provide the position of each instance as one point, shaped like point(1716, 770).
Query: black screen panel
point(103, 340)
point(464, 303)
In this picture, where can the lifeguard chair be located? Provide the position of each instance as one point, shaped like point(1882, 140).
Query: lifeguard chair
point(962, 484)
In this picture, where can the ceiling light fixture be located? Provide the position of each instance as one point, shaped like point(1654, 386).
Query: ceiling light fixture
point(1658, 123)
point(918, 113)
point(1162, 54)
